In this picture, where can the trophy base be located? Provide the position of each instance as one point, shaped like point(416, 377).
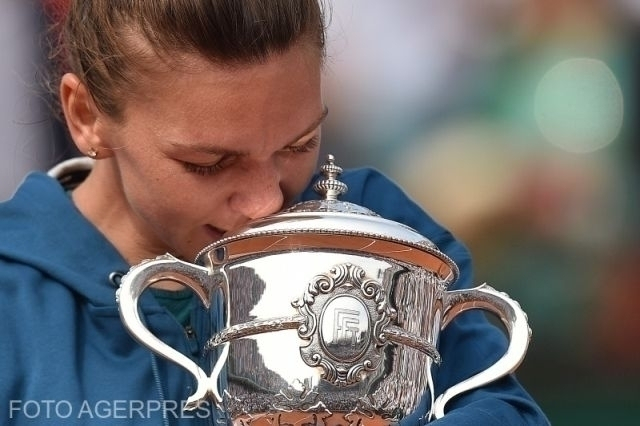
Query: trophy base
point(298, 418)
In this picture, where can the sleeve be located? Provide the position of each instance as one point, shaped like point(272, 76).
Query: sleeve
point(470, 343)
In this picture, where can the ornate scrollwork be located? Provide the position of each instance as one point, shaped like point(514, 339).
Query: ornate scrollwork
point(345, 315)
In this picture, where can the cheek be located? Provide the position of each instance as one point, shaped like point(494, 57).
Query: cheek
point(161, 191)
point(167, 200)
point(181, 201)
point(176, 216)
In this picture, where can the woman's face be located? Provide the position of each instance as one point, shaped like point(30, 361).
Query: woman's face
point(202, 150)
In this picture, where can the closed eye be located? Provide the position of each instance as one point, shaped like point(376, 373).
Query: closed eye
point(308, 146)
point(201, 170)
point(207, 170)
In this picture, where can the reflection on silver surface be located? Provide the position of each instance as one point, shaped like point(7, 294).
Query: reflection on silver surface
point(330, 317)
point(335, 359)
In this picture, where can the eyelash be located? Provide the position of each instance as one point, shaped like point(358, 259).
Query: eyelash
point(202, 170)
point(210, 170)
point(306, 147)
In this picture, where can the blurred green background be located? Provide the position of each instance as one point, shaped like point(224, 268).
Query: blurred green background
point(515, 123)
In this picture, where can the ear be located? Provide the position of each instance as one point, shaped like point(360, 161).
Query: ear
point(82, 116)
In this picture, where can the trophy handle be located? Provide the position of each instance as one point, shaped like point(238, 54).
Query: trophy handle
point(515, 321)
point(135, 282)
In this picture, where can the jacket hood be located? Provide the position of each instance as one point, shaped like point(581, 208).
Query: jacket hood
point(41, 227)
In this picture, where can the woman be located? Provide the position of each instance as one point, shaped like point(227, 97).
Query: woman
point(198, 116)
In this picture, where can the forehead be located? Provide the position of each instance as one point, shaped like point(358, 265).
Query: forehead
point(152, 67)
point(189, 96)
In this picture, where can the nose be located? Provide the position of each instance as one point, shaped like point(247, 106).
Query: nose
point(258, 192)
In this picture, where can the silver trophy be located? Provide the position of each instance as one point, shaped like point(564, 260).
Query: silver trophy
point(327, 314)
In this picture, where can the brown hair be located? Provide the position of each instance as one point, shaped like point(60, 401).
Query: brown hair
point(96, 40)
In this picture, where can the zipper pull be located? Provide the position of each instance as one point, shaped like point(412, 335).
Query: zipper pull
point(192, 338)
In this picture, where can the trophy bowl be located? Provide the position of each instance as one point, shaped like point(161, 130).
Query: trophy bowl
point(324, 314)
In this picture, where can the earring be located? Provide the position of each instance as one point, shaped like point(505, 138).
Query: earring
point(92, 153)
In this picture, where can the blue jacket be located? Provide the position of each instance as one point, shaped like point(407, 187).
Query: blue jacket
point(65, 357)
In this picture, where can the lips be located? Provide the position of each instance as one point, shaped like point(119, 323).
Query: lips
point(214, 233)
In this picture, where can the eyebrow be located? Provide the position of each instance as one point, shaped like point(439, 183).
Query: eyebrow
point(313, 126)
point(207, 149)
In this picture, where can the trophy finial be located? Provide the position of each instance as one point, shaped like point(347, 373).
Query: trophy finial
point(330, 187)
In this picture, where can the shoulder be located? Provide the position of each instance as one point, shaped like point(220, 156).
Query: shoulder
point(33, 206)
point(33, 190)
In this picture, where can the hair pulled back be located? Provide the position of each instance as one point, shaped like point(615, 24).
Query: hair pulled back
point(107, 42)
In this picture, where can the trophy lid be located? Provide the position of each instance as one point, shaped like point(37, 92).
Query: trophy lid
point(330, 224)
